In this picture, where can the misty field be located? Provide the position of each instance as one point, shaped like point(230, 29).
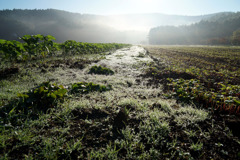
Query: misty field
point(117, 101)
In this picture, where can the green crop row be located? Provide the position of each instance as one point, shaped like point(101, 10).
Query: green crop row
point(73, 47)
point(225, 98)
point(207, 76)
point(32, 46)
point(40, 46)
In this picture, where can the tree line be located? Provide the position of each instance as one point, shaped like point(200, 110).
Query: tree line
point(220, 30)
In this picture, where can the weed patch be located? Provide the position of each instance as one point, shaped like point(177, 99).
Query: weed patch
point(84, 87)
point(101, 70)
point(43, 97)
point(32, 103)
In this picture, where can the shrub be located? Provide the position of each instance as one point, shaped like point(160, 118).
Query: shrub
point(101, 70)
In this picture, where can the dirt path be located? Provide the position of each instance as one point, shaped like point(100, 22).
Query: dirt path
point(127, 61)
point(128, 64)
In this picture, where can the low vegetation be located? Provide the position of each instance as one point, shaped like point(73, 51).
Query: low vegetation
point(52, 108)
point(40, 46)
point(207, 76)
point(83, 87)
point(101, 70)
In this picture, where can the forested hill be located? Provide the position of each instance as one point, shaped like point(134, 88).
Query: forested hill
point(64, 25)
point(219, 29)
point(61, 24)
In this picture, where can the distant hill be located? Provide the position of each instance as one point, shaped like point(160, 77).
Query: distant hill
point(217, 29)
point(221, 17)
point(129, 28)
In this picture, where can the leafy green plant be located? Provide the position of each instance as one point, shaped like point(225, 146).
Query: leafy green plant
point(69, 47)
point(100, 70)
point(32, 103)
point(32, 44)
point(73, 47)
point(47, 45)
point(12, 50)
point(84, 87)
point(47, 95)
point(43, 97)
point(37, 45)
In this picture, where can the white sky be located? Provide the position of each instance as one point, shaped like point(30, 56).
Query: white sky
point(109, 7)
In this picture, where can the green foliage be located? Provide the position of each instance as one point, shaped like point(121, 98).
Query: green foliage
point(37, 45)
point(40, 46)
point(43, 97)
point(34, 46)
point(12, 50)
point(32, 103)
point(72, 47)
point(84, 87)
point(100, 70)
point(194, 90)
point(208, 77)
point(69, 47)
point(47, 45)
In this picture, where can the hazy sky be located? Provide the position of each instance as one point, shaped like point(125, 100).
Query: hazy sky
point(108, 7)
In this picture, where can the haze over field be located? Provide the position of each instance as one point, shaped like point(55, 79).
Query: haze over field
point(120, 79)
point(124, 21)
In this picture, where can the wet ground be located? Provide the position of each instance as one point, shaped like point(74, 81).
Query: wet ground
point(104, 119)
